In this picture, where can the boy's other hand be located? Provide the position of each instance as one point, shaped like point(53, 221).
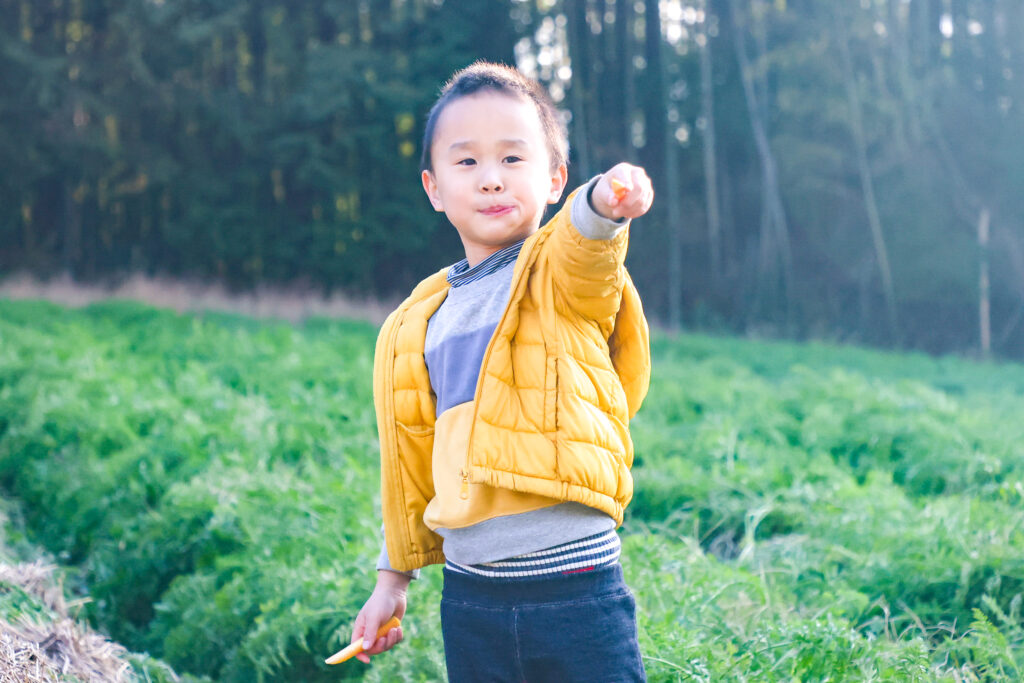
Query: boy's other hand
point(387, 600)
point(623, 192)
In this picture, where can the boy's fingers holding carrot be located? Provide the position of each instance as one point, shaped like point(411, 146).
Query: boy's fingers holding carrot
point(619, 189)
point(623, 192)
point(381, 644)
point(382, 605)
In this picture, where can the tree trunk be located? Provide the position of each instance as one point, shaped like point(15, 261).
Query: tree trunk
point(864, 171)
point(759, 32)
point(602, 112)
point(257, 33)
point(1010, 247)
point(984, 305)
point(624, 38)
point(922, 52)
point(881, 68)
point(676, 226)
point(774, 229)
point(710, 156)
point(662, 145)
point(28, 230)
point(576, 13)
point(655, 123)
point(72, 219)
point(899, 25)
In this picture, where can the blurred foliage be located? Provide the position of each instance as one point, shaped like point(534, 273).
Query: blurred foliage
point(247, 142)
point(276, 143)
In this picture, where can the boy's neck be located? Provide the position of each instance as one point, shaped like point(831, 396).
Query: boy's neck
point(477, 253)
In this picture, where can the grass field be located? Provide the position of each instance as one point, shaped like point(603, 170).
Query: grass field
point(802, 512)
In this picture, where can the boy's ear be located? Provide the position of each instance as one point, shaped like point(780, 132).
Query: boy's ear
point(430, 187)
point(558, 180)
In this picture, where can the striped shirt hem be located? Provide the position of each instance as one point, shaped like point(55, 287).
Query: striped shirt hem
point(574, 557)
point(461, 274)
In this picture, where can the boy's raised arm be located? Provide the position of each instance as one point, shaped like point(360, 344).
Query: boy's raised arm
point(589, 262)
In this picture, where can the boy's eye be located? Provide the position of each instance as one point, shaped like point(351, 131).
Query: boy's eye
point(512, 159)
point(465, 162)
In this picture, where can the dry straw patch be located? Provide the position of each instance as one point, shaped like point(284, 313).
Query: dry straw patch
point(61, 650)
point(292, 303)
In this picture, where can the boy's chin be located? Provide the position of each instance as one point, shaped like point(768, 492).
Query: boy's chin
point(517, 236)
point(502, 238)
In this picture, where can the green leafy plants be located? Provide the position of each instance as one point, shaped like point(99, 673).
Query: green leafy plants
point(802, 512)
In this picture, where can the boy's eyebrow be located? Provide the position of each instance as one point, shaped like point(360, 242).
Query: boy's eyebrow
point(508, 142)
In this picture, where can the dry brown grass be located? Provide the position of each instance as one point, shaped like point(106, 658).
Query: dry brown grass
point(291, 304)
point(33, 649)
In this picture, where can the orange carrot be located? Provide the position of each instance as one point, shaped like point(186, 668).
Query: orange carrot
point(619, 188)
point(357, 647)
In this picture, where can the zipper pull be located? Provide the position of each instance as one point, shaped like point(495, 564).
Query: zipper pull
point(464, 490)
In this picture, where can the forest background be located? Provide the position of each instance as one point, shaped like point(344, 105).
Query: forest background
point(841, 170)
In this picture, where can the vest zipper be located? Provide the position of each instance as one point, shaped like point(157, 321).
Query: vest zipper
point(464, 472)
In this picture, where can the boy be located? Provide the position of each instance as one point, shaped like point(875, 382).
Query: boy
point(503, 387)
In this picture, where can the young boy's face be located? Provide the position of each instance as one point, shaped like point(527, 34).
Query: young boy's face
point(492, 172)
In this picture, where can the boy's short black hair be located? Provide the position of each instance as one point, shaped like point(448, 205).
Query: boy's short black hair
point(482, 76)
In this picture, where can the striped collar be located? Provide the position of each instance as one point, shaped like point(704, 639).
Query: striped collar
point(461, 274)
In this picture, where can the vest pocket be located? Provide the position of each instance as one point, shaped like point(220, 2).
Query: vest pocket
point(415, 441)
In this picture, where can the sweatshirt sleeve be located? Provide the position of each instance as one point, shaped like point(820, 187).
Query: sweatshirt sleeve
point(589, 222)
point(384, 563)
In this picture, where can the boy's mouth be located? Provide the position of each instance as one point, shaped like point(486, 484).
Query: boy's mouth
point(497, 210)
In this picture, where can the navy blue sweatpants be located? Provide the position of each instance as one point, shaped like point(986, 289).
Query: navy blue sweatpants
point(562, 628)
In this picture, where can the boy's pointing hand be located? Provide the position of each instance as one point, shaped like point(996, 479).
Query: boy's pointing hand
point(623, 192)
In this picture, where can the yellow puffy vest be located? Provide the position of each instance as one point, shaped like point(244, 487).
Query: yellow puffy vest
point(567, 367)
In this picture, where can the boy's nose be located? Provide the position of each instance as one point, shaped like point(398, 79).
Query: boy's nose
point(490, 181)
